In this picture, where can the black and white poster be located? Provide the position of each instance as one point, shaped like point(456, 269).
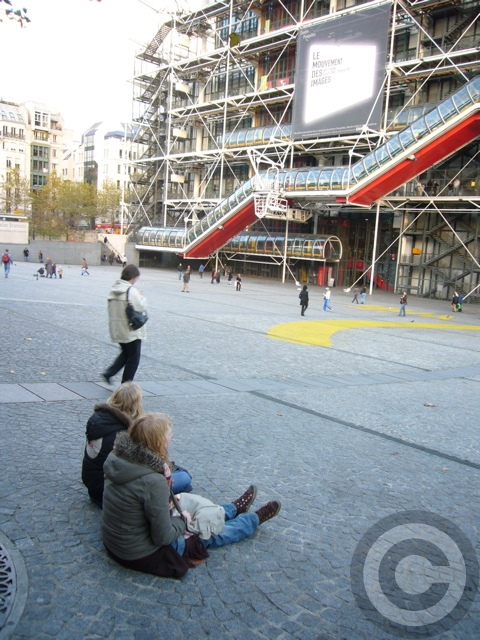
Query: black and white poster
point(339, 74)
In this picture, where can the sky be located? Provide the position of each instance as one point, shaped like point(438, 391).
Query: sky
point(77, 56)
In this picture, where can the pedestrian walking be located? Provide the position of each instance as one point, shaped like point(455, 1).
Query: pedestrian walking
point(180, 271)
point(454, 301)
point(217, 276)
point(186, 280)
point(130, 340)
point(26, 254)
point(84, 268)
point(303, 295)
point(60, 272)
point(460, 302)
point(40, 256)
point(54, 270)
point(239, 282)
point(363, 293)
point(124, 261)
point(111, 258)
point(201, 269)
point(7, 262)
point(230, 277)
point(326, 299)
point(403, 304)
point(214, 274)
point(355, 295)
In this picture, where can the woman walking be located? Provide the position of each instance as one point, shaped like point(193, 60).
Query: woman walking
point(303, 295)
point(130, 340)
point(403, 304)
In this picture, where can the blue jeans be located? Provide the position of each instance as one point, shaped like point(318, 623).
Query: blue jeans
point(326, 305)
point(181, 481)
point(236, 528)
point(362, 298)
point(402, 310)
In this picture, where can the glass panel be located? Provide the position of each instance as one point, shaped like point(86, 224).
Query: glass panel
point(232, 201)
point(433, 119)
point(267, 132)
point(289, 182)
point(297, 247)
point(261, 244)
point(241, 138)
point(369, 162)
point(312, 180)
point(406, 138)
point(307, 248)
point(447, 109)
point(250, 136)
point(258, 136)
point(462, 98)
point(358, 170)
point(318, 248)
point(301, 181)
point(324, 179)
point(277, 133)
point(382, 155)
point(414, 113)
point(419, 128)
point(400, 120)
point(394, 147)
point(337, 179)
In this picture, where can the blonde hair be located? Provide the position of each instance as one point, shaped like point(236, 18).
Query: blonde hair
point(152, 430)
point(128, 398)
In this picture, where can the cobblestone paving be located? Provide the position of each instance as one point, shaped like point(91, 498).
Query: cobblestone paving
point(356, 432)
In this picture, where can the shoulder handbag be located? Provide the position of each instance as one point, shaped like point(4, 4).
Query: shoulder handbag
point(136, 319)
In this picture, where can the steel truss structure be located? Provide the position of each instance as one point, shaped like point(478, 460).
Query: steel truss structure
point(213, 96)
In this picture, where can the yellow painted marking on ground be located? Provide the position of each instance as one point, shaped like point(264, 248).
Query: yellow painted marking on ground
point(318, 333)
point(417, 314)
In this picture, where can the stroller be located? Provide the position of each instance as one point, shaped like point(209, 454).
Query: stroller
point(40, 272)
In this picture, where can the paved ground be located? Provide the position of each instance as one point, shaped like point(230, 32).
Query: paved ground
point(383, 421)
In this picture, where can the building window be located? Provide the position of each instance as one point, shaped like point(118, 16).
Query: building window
point(119, 168)
point(9, 164)
point(54, 138)
point(120, 153)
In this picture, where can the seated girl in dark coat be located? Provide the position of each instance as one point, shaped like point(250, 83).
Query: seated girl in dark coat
point(143, 527)
point(108, 419)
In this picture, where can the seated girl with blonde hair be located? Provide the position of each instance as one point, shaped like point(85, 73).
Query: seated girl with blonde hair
point(143, 526)
point(108, 419)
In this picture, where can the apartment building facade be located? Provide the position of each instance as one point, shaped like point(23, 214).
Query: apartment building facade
point(218, 94)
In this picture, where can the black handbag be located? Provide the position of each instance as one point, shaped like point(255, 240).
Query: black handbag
point(136, 319)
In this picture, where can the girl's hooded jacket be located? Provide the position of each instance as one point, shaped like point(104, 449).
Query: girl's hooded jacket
point(136, 519)
point(102, 428)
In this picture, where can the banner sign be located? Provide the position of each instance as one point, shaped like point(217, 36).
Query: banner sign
point(339, 73)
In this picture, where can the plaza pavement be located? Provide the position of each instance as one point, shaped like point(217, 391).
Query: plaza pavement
point(384, 420)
